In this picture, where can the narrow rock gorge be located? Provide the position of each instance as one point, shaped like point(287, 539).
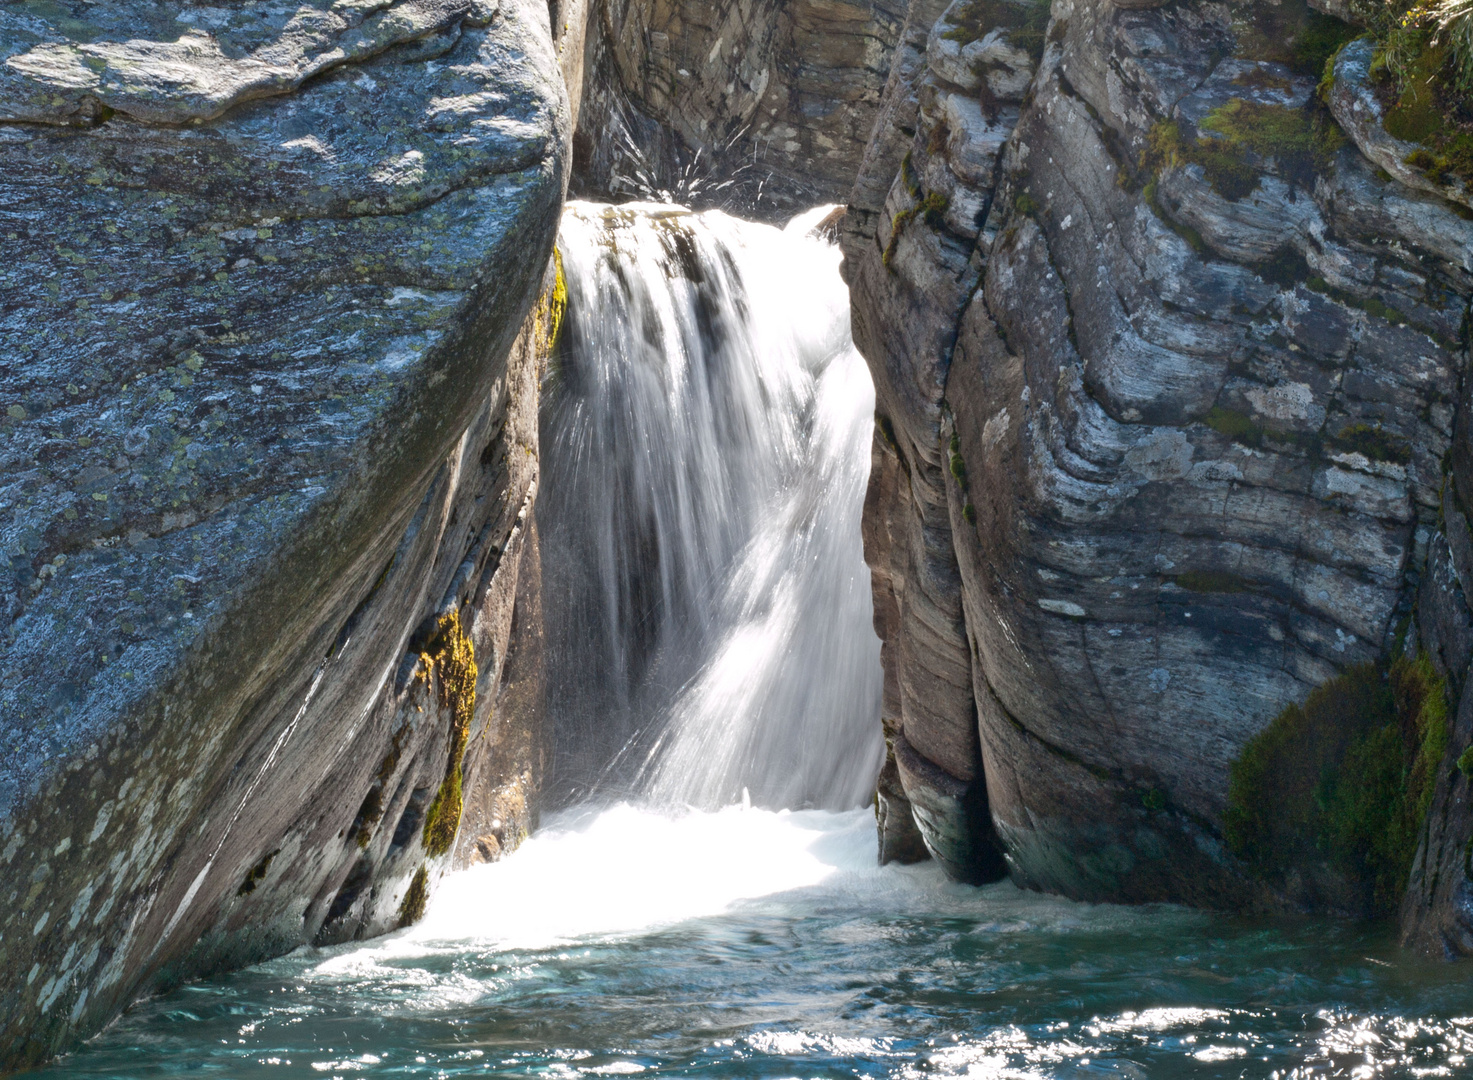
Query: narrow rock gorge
point(1168, 333)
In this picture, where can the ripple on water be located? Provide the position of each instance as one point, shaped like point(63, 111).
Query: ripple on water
point(745, 943)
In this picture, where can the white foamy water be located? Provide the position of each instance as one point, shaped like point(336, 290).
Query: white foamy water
point(628, 870)
point(651, 870)
point(707, 440)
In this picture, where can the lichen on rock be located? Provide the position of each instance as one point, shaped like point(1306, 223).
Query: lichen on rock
point(450, 661)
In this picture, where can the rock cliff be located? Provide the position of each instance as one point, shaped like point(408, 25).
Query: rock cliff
point(1169, 362)
point(276, 295)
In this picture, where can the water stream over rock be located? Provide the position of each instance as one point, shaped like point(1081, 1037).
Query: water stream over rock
point(709, 629)
point(706, 440)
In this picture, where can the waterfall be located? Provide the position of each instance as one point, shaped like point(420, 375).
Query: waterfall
point(705, 436)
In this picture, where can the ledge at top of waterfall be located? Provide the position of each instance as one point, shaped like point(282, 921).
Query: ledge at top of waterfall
point(706, 439)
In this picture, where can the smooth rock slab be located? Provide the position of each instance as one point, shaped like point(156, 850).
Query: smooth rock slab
point(243, 363)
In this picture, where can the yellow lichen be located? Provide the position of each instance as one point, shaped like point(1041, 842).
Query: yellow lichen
point(450, 661)
point(551, 308)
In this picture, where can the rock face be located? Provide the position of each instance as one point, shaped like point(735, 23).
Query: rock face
point(1157, 454)
point(764, 105)
point(269, 454)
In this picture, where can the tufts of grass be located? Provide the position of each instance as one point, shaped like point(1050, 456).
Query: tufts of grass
point(1423, 64)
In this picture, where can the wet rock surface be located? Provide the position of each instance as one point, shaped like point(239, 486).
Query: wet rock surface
point(269, 464)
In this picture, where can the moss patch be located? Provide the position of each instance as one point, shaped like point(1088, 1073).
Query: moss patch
point(1241, 136)
point(1235, 425)
point(256, 875)
point(1346, 779)
point(932, 207)
point(450, 659)
point(557, 303)
point(416, 898)
point(1375, 443)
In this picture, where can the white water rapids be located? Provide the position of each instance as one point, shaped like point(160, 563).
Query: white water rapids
point(706, 443)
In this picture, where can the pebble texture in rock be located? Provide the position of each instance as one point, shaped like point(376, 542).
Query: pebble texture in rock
point(268, 453)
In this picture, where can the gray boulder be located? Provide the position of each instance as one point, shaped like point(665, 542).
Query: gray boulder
point(269, 379)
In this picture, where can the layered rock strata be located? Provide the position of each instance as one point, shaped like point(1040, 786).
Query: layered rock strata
point(269, 472)
point(1182, 442)
point(910, 280)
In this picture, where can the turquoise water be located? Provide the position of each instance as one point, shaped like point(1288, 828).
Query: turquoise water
point(745, 943)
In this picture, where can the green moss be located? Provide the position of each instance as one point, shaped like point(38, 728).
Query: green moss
point(1240, 135)
point(416, 898)
point(1423, 64)
point(1026, 204)
point(1346, 778)
point(256, 875)
point(1235, 425)
point(450, 660)
point(1300, 140)
point(958, 464)
point(1375, 443)
point(557, 302)
point(1212, 581)
point(1375, 807)
point(1153, 800)
point(933, 206)
point(969, 512)
point(1465, 762)
point(1227, 172)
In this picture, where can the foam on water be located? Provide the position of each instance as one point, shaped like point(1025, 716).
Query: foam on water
point(748, 943)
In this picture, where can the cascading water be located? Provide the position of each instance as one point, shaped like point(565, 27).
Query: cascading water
point(706, 441)
point(706, 445)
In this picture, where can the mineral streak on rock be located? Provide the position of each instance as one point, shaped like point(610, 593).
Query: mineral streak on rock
point(269, 418)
